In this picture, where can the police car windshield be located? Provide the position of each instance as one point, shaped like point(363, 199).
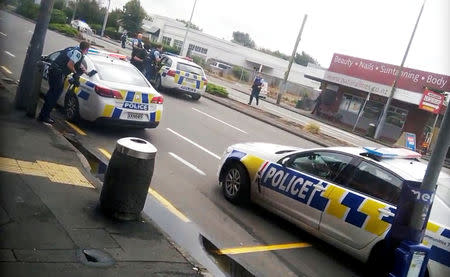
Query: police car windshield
point(189, 68)
point(120, 73)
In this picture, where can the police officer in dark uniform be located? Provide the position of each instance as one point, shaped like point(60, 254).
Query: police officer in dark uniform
point(138, 54)
point(68, 61)
point(151, 62)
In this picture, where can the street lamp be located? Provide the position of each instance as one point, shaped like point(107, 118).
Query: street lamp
point(187, 29)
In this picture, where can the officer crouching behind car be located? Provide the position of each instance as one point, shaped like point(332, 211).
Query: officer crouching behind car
point(151, 62)
point(68, 61)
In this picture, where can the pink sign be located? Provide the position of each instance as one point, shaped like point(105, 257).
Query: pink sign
point(382, 73)
point(431, 101)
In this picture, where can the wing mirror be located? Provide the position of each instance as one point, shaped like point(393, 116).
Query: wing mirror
point(44, 58)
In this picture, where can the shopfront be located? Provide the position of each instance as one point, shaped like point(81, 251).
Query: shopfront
point(356, 90)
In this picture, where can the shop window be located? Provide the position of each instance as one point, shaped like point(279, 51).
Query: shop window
point(372, 110)
point(177, 43)
point(166, 40)
point(396, 116)
point(351, 103)
point(198, 49)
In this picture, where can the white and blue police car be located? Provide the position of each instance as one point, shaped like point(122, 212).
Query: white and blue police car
point(346, 196)
point(118, 93)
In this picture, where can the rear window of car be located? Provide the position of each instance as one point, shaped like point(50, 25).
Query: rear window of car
point(119, 73)
point(189, 68)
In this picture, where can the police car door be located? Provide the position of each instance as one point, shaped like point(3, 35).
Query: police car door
point(294, 185)
point(362, 208)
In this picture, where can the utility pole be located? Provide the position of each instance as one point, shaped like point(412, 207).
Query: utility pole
point(33, 55)
point(291, 60)
point(187, 29)
point(105, 19)
point(397, 77)
point(74, 11)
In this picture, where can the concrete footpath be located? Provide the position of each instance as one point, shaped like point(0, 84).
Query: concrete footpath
point(50, 224)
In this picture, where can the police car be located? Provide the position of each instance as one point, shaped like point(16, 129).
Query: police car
point(118, 93)
point(181, 75)
point(345, 196)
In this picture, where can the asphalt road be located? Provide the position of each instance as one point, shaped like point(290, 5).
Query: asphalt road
point(191, 137)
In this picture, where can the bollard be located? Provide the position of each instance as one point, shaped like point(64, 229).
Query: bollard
point(35, 89)
point(128, 178)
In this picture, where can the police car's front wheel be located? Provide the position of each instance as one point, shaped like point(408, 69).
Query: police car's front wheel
point(236, 184)
point(71, 107)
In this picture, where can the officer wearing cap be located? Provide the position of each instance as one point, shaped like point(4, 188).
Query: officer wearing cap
point(68, 61)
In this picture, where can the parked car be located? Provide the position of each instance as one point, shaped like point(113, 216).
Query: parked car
point(346, 196)
point(181, 75)
point(118, 93)
point(81, 26)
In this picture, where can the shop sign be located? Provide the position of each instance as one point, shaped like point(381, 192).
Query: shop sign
point(411, 141)
point(431, 101)
point(384, 74)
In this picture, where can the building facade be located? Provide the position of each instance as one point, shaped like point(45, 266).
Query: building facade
point(356, 90)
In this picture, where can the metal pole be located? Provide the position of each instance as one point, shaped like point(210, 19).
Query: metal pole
point(187, 29)
point(242, 73)
point(291, 60)
point(420, 211)
point(74, 11)
point(105, 19)
point(397, 77)
point(361, 112)
point(33, 55)
point(432, 132)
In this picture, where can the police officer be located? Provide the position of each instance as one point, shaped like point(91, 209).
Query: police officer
point(151, 62)
point(256, 88)
point(68, 61)
point(138, 54)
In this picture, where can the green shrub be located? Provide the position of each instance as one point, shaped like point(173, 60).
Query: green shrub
point(199, 60)
point(239, 71)
point(64, 28)
point(28, 9)
point(166, 48)
point(216, 90)
point(58, 17)
point(112, 33)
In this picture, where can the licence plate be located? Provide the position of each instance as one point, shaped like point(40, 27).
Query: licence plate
point(187, 88)
point(135, 116)
point(189, 80)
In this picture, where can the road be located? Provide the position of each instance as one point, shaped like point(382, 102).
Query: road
point(190, 138)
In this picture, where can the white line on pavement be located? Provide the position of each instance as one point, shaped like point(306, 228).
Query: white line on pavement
point(6, 69)
point(10, 54)
point(3, 34)
point(188, 164)
point(29, 31)
point(195, 144)
point(220, 121)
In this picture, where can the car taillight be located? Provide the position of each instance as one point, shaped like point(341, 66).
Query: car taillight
point(205, 81)
point(157, 100)
point(171, 73)
point(106, 92)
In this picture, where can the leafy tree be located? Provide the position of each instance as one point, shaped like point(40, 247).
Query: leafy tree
point(304, 59)
point(191, 25)
point(58, 17)
point(243, 39)
point(114, 18)
point(90, 11)
point(58, 5)
point(132, 16)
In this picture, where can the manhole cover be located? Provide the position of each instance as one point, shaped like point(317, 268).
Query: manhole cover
point(95, 258)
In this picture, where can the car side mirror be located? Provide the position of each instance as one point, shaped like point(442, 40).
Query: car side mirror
point(44, 58)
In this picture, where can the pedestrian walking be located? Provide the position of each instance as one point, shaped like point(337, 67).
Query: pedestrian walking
point(68, 61)
point(151, 62)
point(256, 89)
point(124, 38)
point(138, 54)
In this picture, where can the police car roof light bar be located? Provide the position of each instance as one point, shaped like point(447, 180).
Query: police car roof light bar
point(96, 52)
point(392, 153)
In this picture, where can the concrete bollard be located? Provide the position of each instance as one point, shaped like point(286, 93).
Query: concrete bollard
point(128, 178)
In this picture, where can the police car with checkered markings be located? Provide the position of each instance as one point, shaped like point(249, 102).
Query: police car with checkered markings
point(118, 93)
point(181, 75)
point(345, 196)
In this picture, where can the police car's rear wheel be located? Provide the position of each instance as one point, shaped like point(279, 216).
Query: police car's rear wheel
point(236, 184)
point(71, 107)
point(158, 85)
point(196, 96)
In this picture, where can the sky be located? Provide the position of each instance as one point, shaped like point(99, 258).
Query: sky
point(377, 30)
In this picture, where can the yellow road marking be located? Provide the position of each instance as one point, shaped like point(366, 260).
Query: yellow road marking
point(76, 128)
point(105, 152)
point(168, 205)
point(57, 173)
point(6, 69)
point(261, 248)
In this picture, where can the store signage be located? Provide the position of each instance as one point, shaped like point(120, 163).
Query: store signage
point(411, 141)
point(431, 101)
point(384, 74)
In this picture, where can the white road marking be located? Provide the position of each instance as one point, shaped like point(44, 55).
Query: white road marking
point(6, 69)
point(229, 125)
point(188, 164)
point(10, 54)
point(29, 31)
point(3, 34)
point(195, 144)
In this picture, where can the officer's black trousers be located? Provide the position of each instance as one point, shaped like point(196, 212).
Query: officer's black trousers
point(56, 84)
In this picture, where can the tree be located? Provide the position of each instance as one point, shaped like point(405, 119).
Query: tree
point(114, 19)
point(132, 16)
point(243, 39)
point(192, 25)
point(90, 12)
point(304, 59)
point(59, 5)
